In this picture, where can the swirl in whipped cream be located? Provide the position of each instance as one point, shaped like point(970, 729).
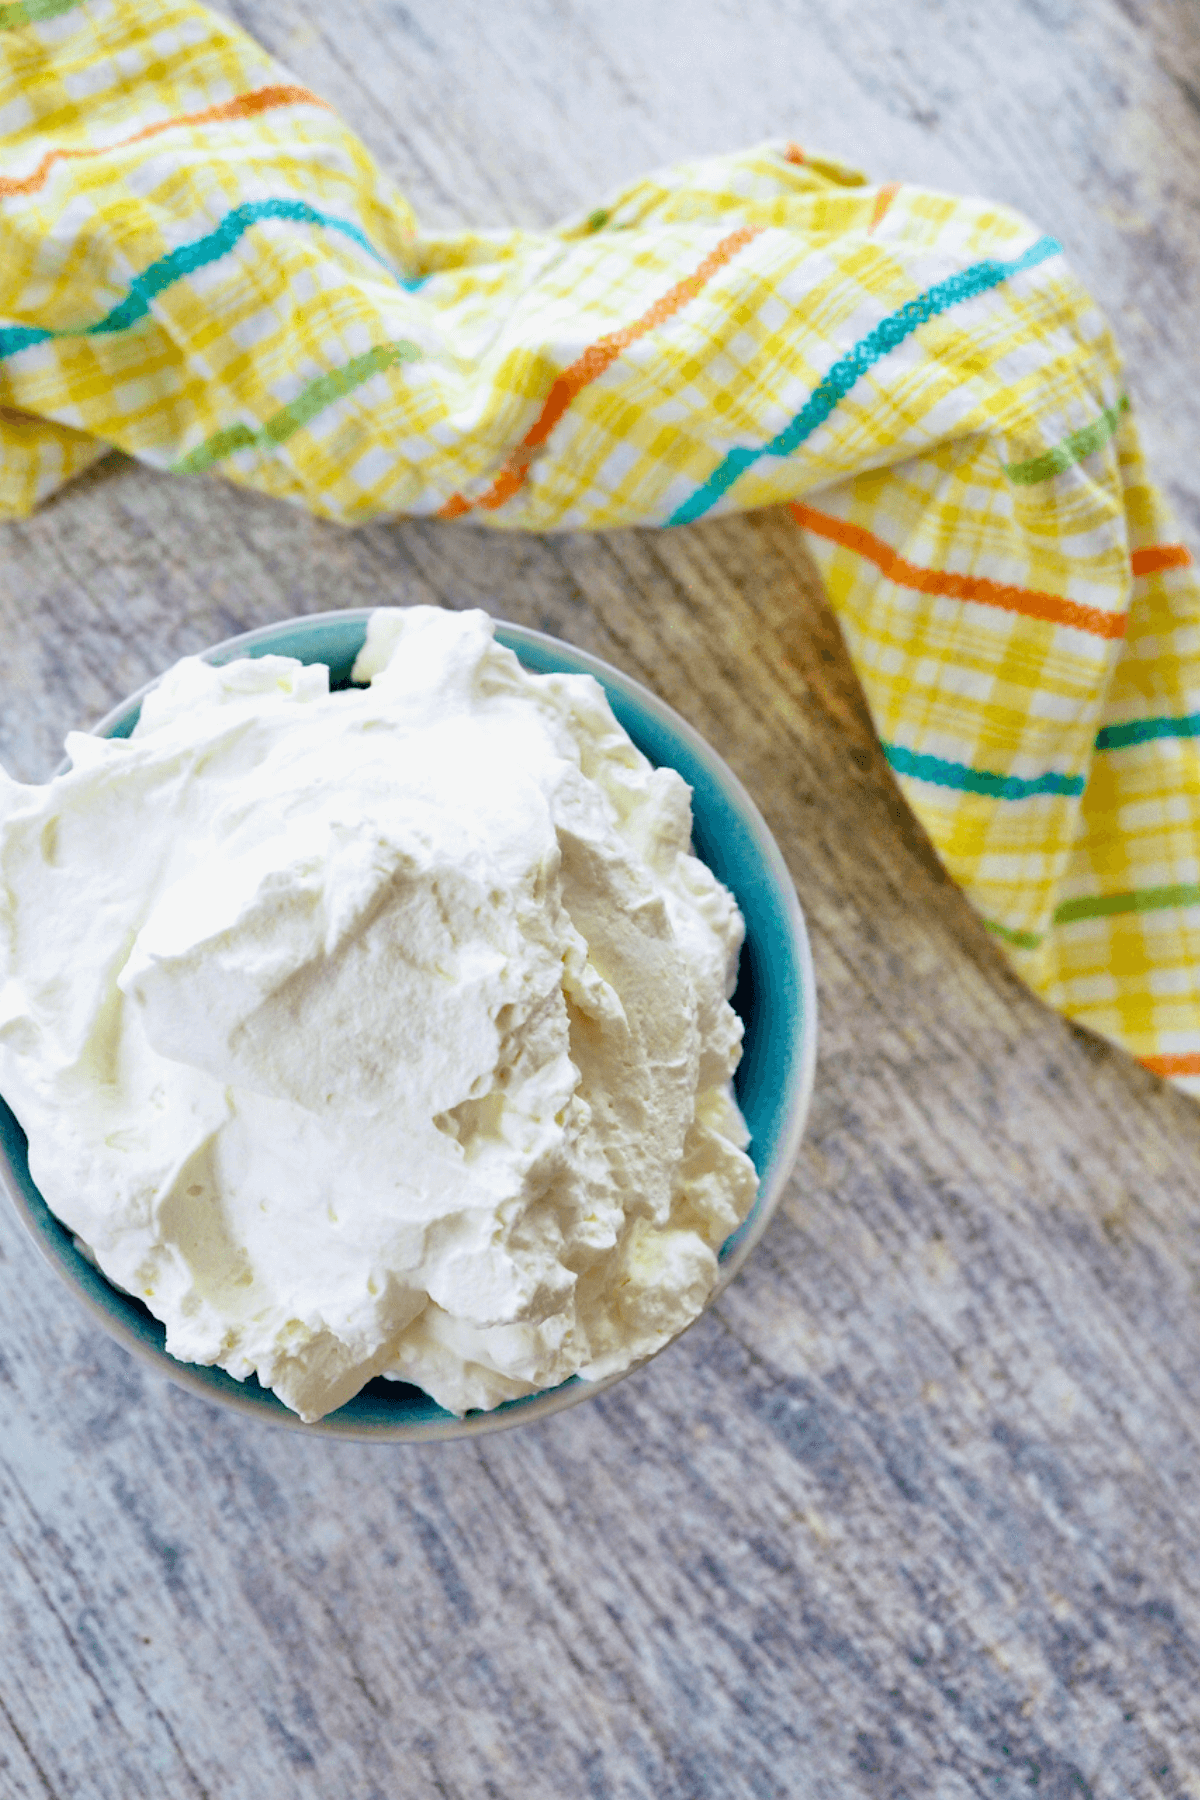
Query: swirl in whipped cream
point(382, 1032)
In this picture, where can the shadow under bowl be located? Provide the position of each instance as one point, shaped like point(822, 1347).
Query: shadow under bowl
point(776, 999)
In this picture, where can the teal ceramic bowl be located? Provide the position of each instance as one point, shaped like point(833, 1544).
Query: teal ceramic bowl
point(776, 998)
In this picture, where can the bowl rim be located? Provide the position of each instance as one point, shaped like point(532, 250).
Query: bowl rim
point(525, 1409)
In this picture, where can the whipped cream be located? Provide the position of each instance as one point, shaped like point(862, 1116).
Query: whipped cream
point(382, 1032)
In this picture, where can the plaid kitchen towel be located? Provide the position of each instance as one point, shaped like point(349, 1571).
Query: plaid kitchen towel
point(200, 265)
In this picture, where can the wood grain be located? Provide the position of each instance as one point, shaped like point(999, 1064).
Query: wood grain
point(914, 1512)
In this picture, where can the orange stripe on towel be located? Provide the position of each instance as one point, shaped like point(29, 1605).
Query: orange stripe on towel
point(1030, 601)
point(1187, 1064)
point(588, 368)
point(243, 106)
point(883, 200)
point(1154, 557)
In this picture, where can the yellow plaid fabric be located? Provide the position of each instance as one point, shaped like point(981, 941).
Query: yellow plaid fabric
point(200, 265)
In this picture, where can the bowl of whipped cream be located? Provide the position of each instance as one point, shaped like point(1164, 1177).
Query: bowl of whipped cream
point(407, 1023)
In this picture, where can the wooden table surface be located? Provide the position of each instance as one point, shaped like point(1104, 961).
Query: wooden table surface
point(915, 1511)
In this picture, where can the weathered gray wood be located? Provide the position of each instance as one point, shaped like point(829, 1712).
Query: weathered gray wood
point(915, 1511)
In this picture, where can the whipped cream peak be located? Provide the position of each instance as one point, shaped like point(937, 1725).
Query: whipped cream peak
point(381, 1032)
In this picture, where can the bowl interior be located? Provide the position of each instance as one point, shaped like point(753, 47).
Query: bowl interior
point(775, 998)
